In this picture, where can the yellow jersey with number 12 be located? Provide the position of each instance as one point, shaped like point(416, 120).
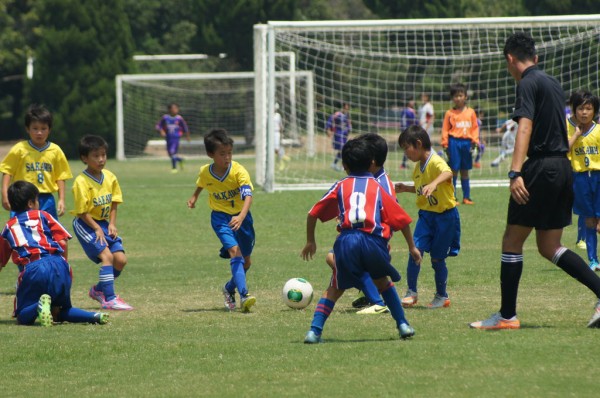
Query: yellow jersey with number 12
point(40, 166)
point(442, 198)
point(96, 196)
point(226, 193)
point(584, 153)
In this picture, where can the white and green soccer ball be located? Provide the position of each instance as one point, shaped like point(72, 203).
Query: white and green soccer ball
point(297, 293)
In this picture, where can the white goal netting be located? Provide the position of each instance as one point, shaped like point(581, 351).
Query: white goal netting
point(378, 66)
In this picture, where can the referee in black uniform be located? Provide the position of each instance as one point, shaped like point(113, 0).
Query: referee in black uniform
point(541, 187)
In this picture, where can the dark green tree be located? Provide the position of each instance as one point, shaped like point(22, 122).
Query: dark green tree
point(562, 7)
point(82, 47)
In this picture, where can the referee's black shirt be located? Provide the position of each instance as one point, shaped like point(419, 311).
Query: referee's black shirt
point(541, 99)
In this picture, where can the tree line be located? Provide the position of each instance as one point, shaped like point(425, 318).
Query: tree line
point(78, 47)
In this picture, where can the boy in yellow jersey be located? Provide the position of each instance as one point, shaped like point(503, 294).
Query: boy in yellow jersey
point(438, 228)
point(39, 162)
point(584, 153)
point(97, 194)
point(460, 138)
point(230, 197)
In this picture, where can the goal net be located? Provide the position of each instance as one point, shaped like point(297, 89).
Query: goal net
point(377, 67)
point(206, 101)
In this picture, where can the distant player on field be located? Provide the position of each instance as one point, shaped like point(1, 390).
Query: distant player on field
point(172, 126)
point(460, 137)
point(39, 162)
point(230, 197)
point(367, 216)
point(338, 127)
point(97, 194)
point(584, 153)
point(438, 229)
point(541, 187)
point(408, 117)
point(38, 243)
point(508, 140)
point(279, 149)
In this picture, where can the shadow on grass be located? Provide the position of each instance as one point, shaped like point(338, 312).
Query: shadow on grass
point(11, 293)
point(334, 340)
point(214, 309)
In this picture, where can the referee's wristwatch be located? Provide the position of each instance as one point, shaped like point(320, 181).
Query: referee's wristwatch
point(514, 174)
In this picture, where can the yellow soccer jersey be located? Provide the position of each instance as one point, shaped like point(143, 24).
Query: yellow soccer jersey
point(226, 194)
point(442, 198)
point(96, 196)
point(40, 166)
point(584, 153)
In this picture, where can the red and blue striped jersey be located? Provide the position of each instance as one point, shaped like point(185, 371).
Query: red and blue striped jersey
point(385, 181)
point(362, 204)
point(31, 235)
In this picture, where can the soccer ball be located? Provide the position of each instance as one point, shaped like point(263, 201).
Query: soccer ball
point(297, 293)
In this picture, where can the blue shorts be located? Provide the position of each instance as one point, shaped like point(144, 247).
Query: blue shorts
point(339, 140)
point(50, 275)
point(357, 252)
point(459, 154)
point(47, 203)
point(243, 237)
point(438, 233)
point(87, 238)
point(173, 144)
point(586, 186)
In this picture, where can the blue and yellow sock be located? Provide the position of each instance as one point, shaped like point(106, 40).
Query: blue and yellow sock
point(390, 296)
point(239, 276)
point(322, 312)
point(370, 290)
point(441, 277)
point(106, 282)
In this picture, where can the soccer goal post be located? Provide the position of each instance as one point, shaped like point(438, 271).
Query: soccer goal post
point(206, 101)
point(379, 66)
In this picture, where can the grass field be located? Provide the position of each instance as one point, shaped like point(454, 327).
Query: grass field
point(179, 341)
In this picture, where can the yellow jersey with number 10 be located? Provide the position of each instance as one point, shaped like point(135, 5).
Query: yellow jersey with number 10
point(94, 196)
point(226, 193)
point(442, 198)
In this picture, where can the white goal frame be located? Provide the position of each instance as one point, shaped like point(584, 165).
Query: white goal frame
point(266, 50)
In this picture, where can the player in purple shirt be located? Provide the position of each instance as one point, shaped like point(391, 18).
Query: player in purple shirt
point(338, 128)
point(171, 127)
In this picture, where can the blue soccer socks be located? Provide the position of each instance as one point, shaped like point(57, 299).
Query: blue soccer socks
point(466, 187)
point(390, 296)
point(107, 282)
point(370, 290)
point(322, 312)
point(591, 242)
point(239, 276)
point(412, 274)
point(441, 277)
point(77, 315)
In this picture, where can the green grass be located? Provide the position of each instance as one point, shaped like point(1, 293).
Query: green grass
point(180, 342)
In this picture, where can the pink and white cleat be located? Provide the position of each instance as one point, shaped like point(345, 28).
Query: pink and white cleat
point(97, 295)
point(116, 304)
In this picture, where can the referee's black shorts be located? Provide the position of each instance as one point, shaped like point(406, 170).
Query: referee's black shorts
point(549, 181)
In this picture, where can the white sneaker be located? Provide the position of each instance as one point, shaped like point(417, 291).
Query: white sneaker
point(374, 309)
point(595, 321)
point(439, 302)
point(229, 299)
point(410, 298)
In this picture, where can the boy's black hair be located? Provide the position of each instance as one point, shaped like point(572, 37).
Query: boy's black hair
point(378, 146)
point(89, 143)
point(583, 97)
point(357, 156)
point(171, 104)
point(411, 135)
point(38, 113)
point(216, 137)
point(521, 46)
point(19, 195)
point(457, 88)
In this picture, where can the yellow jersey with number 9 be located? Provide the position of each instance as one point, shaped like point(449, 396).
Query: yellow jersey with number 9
point(584, 154)
point(226, 193)
point(96, 196)
point(40, 166)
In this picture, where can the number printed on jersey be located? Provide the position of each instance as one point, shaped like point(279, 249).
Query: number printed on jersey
point(357, 213)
